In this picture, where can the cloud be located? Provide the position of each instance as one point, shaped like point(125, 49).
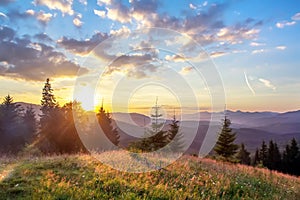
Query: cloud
point(133, 66)
point(100, 13)
point(258, 51)
point(77, 20)
point(175, 58)
point(24, 59)
point(267, 83)
point(65, 6)
point(43, 37)
point(43, 17)
point(257, 44)
point(284, 24)
point(30, 12)
point(82, 47)
point(281, 47)
point(296, 16)
point(185, 70)
point(122, 30)
point(104, 2)
point(192, 6)
point(216, 54)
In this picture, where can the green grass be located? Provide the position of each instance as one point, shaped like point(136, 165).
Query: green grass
point(82, 177)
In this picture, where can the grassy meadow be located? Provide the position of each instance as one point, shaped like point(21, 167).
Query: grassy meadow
point(83, 177)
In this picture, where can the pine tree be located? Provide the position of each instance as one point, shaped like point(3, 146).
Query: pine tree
point(30, 127)
point(70, 141)
point(155, 138)
point(291, 158)
point(256, 159)
point(273, 160)
point(175, 136)
point(263, 153)
point(277, 157)
point(243, 155)
point(50, 121)
point(11, 139)
point(105, 122)
point(225, 146)
point(48, 100)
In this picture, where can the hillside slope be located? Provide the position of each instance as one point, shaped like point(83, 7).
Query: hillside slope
point(82, 177)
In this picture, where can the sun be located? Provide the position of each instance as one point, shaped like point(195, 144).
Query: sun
point(85, 95)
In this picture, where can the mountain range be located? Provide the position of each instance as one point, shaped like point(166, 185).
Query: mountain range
point(251, 128)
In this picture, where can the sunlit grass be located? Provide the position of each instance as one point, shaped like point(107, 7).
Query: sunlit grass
point(84, 177)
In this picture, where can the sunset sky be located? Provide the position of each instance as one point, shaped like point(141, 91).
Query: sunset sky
point(254, 46)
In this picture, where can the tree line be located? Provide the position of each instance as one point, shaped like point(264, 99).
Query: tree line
point(54, 131)
point(269, 156)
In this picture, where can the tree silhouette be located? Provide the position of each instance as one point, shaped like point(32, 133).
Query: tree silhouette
point(225, 146)
point(11, 138)
point(243, 155)
point(105, 122)
point(263, 153)
point(256, 159)
point(176, 137)
point(30, 124)
point(291, 158)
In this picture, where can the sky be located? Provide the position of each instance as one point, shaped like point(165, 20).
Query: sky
point(192, 55)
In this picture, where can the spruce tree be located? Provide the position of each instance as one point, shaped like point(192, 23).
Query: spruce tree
point(256, 159)
point(263, 153)
point(70, 141)
point(175, 136)
point(277, 157)
point(243, 155)
point(291, 158)
point(225, 146)
point(50, 121)
point(105, 122)
point(30, 126)
point(273, 156)
point(155, 138)
point(11, 139)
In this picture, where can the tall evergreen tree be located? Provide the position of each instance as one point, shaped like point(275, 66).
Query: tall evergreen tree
point(273, 156)
point(263, 153)
point(30, 126)
point(176, 136)
point(243, 155)
point(155, 137)
point(105, 122)
point(11, 139)
point(70, 141)
point(256, 160)
point(225, 146)
point(291, 158)
point(277, 157)
point(50, 121)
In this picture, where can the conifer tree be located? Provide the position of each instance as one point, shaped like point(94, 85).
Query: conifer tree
point(175, 136)
point(273, 156)
point(225, 146)
point(243, 155)
point(105, 122)
point(11, 139)
point(50, 121)
point(263, 153)
point(256, 159)
point(291, 158)
point(30, 127)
